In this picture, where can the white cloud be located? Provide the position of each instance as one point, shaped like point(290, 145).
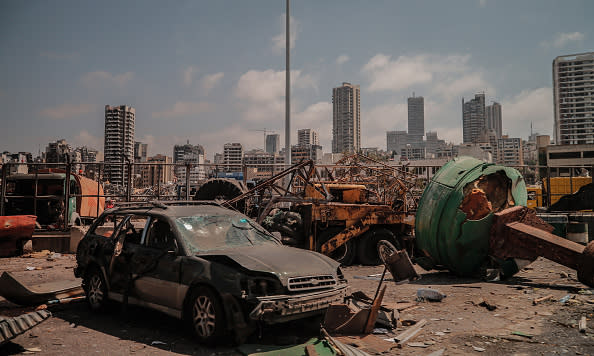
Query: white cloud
point(67, 111)
point(390, 116)
point(262, 93)
point(343, 58)
point(84, 138)
point(189, 75)
point(279, 41)
point(93, 79)
point(210, 81)
point(534, 106)
point(184, 108)
point(453, 88)
point(482, 3)
point(563, 39)
point(386, 74)
point(317, 116)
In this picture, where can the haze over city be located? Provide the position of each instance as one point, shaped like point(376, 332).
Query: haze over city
point(213, 72)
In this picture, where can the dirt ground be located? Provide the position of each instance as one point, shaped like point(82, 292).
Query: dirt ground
point(455, 324)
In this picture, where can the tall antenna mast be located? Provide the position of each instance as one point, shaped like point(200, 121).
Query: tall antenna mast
point(287, 90)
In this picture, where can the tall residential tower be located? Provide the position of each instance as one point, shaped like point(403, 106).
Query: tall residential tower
point(573, 91)
point(473, 118)
point(119, 142)
point(346, 118)
point(416, 119)
point(493, 118)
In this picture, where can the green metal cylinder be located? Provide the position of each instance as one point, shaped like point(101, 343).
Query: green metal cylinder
point(443, 232)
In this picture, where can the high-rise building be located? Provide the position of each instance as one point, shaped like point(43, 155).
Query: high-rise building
point(233, 157)
point(509, 151)
point(192, 154)
point(58, 152)
point(119, 142)
point(493, 118)
point(272, 143)
point(307, 137)
point(573, 94)
point(396, 140)
point(473, 118)
point(416, 118)
point(433, 143)
point(159, 173)
point(346, 118)
point(140, 151)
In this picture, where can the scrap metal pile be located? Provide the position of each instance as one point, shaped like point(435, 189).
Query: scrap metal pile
point(342, 211)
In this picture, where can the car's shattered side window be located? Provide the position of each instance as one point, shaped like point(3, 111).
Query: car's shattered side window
point(208, 232)
point(108, 224)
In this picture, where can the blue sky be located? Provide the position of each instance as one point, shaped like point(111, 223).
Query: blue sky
point(213, 71)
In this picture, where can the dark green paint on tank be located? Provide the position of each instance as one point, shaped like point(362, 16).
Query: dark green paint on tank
point(442, 230)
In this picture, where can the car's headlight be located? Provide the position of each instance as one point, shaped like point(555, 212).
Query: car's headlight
point(263, 287)
point(339, 275)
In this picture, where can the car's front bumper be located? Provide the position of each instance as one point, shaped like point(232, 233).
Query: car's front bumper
point(280, 308)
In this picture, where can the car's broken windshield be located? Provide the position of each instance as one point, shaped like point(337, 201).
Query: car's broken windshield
point(208, 232)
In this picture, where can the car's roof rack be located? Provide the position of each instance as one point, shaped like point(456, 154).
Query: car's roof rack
point(163, 204)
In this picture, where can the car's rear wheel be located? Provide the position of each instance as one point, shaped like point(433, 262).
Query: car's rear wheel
point(95, 289)
point(206, 315)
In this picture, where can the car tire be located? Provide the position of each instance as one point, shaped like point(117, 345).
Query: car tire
point(367, 246)
point(95, 290)
point(206, 316)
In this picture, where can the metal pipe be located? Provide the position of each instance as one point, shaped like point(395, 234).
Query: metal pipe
point(98, 186)
point(129, 182)
point(288, 87)
point(188, 180)
point(67, 194)
point(3, 189)
point(35, 193)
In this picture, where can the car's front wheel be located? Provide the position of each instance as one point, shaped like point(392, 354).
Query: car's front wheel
point(95, 289)
point(206, 315)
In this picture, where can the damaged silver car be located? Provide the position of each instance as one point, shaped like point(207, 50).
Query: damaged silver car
point(205, 264)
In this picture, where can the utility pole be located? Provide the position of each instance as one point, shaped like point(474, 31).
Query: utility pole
point(287, 90)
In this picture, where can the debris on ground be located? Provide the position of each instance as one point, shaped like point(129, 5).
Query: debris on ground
point(482, 302)
point(12, 327)
point(19, 293)
point(432, 295)
point(566, 298)
point(582, 325)
point(542, 299)
point(410, 333)
point(522, 334)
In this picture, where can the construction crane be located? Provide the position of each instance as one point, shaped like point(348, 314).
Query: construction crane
point(265, 131)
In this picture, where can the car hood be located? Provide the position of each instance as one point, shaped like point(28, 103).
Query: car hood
point(283, 261)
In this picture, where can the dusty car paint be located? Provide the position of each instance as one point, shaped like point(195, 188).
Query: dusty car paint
point(254, 282)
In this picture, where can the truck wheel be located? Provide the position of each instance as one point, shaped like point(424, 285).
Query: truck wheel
point(367, 246)
point(345, 254)
point(206, 315)
point(95, 289)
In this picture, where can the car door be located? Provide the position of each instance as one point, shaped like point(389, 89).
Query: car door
point(122, 270)
point(158, 265)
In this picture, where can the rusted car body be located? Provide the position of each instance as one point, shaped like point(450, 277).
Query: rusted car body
point(206, 264)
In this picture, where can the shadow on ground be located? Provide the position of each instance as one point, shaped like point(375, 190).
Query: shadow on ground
point(151, 328)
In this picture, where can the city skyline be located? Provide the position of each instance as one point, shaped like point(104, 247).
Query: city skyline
point(57, 81)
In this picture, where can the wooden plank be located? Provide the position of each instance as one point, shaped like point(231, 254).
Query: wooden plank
point(410, 333)
point(542, 299)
